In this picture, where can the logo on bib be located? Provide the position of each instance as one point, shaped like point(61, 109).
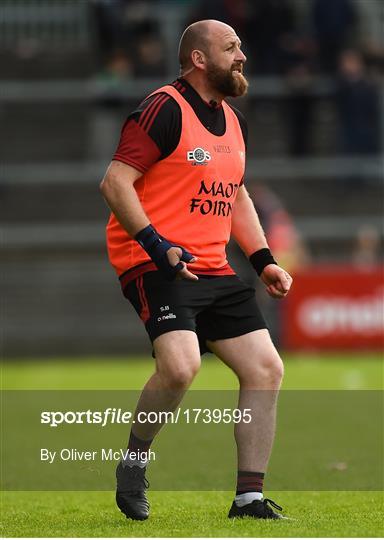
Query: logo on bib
point(199, 156)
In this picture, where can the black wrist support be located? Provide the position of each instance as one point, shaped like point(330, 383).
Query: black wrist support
point(148, 238)
point(260, 259)
point(157, 246)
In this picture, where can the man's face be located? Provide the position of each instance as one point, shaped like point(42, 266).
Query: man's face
point(225, 63)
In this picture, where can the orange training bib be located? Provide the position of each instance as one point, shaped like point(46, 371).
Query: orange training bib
point(189, 195)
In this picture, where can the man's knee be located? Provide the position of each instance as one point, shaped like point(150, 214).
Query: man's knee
point(275, 368)
point(180, 374)
point(177, 358)
point(267, 371)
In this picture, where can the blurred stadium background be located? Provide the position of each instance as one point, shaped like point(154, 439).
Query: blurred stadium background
point(71, 71)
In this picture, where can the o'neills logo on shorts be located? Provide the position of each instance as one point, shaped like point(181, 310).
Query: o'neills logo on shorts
point(198, 156)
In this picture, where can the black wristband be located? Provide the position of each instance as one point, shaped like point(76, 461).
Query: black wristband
point(148, 237)
point(260, 259)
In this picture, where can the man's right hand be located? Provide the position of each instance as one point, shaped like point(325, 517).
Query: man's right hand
point(169, 258)
point(175, 258)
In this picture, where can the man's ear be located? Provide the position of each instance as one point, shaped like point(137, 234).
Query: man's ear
point(198, 59)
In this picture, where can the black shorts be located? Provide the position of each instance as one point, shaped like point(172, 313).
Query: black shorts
point(215, 307)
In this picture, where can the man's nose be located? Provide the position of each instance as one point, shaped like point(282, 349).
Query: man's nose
point(240, 57)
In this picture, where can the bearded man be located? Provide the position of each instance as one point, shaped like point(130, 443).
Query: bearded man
point(176, 191)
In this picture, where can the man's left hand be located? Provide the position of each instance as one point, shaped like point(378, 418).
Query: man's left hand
point(277, 280)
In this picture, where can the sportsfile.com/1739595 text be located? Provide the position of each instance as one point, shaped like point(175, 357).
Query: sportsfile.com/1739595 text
point(113, 415)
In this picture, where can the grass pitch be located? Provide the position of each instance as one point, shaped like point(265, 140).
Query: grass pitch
point(302, 372)
point(190, 514)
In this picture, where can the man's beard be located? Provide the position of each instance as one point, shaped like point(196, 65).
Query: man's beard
point(225, 82)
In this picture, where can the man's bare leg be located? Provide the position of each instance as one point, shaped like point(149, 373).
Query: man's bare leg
point(259, 369)
point(177, 362)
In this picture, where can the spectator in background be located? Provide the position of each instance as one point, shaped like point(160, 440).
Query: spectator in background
point(366, 252)
point(300, 100)
point(269, 31)
point(109, 31)
point(128, 38)
point(117, 67)
point(358, 104)
point(334, 22)
point(278, 225)
point(149, 52)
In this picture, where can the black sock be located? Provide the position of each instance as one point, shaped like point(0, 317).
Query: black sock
point(138, 445)
point(248, 481)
